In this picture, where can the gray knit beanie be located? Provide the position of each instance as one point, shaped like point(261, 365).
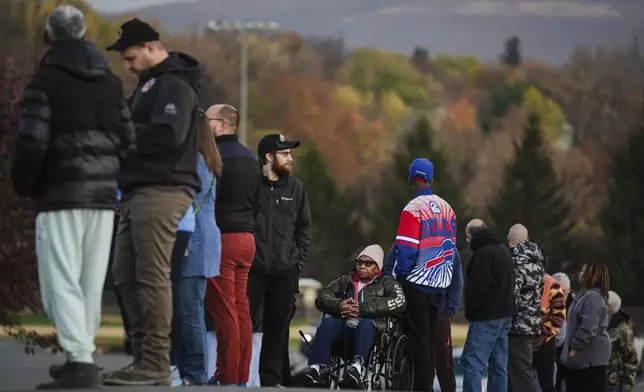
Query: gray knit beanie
point(66, 22)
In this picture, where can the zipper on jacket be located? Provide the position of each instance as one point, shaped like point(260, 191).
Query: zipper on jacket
point(271, 240)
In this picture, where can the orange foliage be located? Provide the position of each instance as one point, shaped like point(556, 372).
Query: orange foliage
point(305, 108)
point(462, 114)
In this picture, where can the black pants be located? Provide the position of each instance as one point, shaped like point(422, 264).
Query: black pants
point(419, 323)
point(444, 362)
point(520, 369)
point(543, 360)
point(561, 370)
point(592, 379)
point(287, 379)
point(272, 296)
point(119, 299)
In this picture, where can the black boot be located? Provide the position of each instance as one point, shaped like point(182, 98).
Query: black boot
point(79, 375)
point(56, 372)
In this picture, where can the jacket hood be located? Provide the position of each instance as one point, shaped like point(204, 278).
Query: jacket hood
point(180, 64)
point(618, 318)
point(529, 251)
point(485, 237)
point(78, 57)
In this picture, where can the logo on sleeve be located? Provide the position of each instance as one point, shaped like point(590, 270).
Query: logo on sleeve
point(170, 109)
point(148, 85)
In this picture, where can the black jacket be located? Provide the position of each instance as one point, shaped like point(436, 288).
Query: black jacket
point(237, 187)
point(378, 300)
point(282, 226)
point(75, 131)
point(489, 280)
point(164, 111)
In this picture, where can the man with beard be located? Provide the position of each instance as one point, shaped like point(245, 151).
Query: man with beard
point(282, 237)
point(158, 185)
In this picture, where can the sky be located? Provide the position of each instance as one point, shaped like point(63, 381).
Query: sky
point(124, 5)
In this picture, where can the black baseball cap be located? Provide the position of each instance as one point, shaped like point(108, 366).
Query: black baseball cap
point(275, 142)
point(133, 32)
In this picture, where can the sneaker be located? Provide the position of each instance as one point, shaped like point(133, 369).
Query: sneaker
point(175, 377)
point(76, 375)
point(352, 377)
point(137, 376)
point(317, 376)
point(56, 372)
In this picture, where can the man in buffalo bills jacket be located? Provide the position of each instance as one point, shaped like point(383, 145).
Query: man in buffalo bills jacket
point(423, 262)
point(282, 237)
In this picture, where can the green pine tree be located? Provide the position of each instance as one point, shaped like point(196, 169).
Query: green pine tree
point(532, 195)
point(622, 220)
point(336, 235)
point(395, 193)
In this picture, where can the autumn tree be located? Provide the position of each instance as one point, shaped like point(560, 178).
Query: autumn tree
point(420, 59)
point(369, 70)
point(418, 142)
point(512, 55)
point(335, 233)
point(532, 195)
point(622, 219)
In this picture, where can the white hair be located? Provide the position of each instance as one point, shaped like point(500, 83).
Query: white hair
point(66, 22)
point(562, 279)
point(614, 302)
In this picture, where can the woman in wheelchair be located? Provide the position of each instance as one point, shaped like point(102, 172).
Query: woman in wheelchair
point(356, 308)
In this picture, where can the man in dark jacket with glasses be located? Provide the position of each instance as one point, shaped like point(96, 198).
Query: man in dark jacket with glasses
point(282, 237)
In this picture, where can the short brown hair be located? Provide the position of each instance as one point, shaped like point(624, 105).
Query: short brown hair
point(230, 115)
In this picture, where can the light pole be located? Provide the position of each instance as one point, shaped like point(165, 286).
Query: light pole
point(242, 28)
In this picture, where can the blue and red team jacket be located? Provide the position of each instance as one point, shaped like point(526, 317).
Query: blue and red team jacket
point(425, 246)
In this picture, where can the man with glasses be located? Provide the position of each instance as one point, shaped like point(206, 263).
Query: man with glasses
point(283, 234)
point(226, 301)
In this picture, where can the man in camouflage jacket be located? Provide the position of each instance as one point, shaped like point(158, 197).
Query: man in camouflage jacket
point(529, 274)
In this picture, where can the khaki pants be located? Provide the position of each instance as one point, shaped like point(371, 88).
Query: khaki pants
point(144, 242)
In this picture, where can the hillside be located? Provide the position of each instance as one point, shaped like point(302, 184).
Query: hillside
point(549, 29)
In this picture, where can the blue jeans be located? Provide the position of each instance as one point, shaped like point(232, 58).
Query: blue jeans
point(486, 344)
point(188, 321)
point(335, 331)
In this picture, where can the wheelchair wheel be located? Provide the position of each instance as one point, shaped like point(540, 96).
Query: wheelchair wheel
point(401, 365)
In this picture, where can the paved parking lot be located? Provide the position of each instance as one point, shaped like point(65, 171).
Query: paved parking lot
point(21, 372)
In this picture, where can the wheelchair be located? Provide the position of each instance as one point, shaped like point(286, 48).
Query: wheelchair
point(390, 366)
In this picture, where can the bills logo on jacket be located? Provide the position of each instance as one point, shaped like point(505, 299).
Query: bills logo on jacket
point(426, 242)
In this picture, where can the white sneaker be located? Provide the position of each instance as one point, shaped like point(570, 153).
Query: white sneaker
point(175, 377)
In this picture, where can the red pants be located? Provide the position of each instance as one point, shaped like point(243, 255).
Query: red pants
point(227, 303)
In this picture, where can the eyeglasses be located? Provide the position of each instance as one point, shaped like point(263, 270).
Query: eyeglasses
point(366, 263)
point(203, 114)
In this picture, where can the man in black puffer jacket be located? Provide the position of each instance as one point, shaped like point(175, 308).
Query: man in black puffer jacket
point(75, 132)
point(357, 307)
